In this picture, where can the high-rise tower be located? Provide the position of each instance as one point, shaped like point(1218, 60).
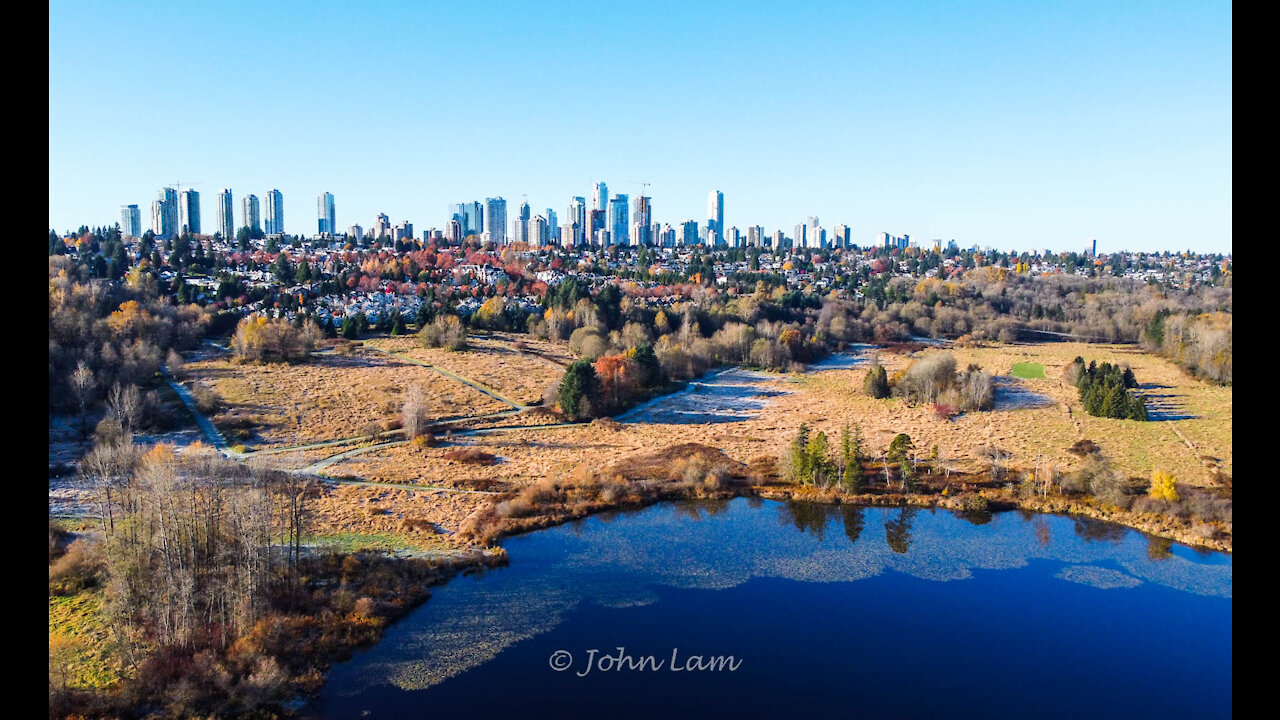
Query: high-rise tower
point(275, 212)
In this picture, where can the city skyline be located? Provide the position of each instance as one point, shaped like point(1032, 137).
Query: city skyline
point(1114, 122)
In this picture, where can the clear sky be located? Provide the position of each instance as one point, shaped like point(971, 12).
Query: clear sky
point(1021, 125)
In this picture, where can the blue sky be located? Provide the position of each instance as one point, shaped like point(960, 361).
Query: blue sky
point(1020, 125)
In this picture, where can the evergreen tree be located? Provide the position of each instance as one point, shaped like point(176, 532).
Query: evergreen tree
point(851, 453)
point(900, 454)
point(876, 382)
point(801, 471)
point(819, 465)
point(578, 386)
point(350, 328)
point(423, 317)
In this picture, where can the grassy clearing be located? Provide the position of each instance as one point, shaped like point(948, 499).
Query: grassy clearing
point(1027, 370)
point(386, 517)
point(492, 362)
point(80, 645)
point(351, 542)
point(329, 398)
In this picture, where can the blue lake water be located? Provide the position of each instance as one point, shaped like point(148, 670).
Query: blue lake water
point(826, 611)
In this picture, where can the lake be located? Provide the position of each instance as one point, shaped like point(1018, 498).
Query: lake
point(826, 611)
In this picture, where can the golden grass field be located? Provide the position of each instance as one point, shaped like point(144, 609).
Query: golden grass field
point(337, 397)
point(825, 400)
point(491, 361)
point(331, 397)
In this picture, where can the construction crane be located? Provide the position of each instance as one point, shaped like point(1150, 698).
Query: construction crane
point(644, 186)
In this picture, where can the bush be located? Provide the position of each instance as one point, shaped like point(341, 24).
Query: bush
point(471, 456)
point(79, 568)
point(444, 332)
point(933, 379)
point(587, 342)
point(259, 339)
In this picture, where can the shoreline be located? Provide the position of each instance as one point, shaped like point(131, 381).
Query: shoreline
point(994, 500)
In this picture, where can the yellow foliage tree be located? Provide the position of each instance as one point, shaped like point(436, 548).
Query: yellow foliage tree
point(1162, 486)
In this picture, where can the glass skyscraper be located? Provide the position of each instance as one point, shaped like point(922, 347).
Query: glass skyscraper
point(715, 213)
point(576, 215)
point(130, 221)
point(226, 222)
point(327, 218)
point(189, 212)
point(600, 199)
point(250, 213)
point(164, 214)
point(470, 217)
point(275, 213)
point(643, 219)
point(495, 219)
point(619, 226)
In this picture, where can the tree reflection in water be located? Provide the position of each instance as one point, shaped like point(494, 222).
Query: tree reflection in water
point(694, 510)
point(806, 517)
point(853, 521)
point(897, 533)
point(1093, 530)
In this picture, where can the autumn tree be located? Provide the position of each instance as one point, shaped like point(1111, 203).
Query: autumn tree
point(619, 378)
point(1163, 486)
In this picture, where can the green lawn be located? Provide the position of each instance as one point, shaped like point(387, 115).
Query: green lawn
point(1027, 370)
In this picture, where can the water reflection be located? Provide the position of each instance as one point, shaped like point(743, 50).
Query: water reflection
point(897, 533)
point(1096, 530)
point(807, 517)
point(619, 561)
point(853, 521)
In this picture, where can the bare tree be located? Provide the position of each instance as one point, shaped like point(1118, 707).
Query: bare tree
point(82, 385)
point(125, 405)
point(414, 414)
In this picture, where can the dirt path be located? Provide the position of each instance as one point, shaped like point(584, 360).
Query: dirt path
point(482, 388)
point(206, 425)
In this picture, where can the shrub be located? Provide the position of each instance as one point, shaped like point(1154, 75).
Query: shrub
point(207, 401)
point(79, 568)
point(933, 379)
point(259, 339)
point(471, 456)
point(445, 332)
point(587, 342)
point(414, 414)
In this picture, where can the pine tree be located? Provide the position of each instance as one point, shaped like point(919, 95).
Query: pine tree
point(819, 465)
point(876, 382)
point(350, 329)
point(851, 449)
point(799, 457)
